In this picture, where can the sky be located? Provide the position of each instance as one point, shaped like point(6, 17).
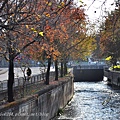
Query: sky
point(95, 9)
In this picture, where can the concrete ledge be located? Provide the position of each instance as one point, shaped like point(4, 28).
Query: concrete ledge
point(113, 77)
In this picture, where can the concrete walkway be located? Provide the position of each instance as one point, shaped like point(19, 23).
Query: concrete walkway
point(18, 72)
point(2, 71)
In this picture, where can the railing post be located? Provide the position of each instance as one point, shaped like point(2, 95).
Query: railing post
point(1, 85)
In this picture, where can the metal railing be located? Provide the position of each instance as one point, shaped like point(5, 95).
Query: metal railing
point(90, 66)
point(21, 80)
point(23, 87)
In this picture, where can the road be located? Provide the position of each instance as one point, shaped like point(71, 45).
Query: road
point(18, 72)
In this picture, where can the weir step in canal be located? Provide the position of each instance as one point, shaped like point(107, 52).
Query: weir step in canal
point(88, 72)
point(92, 101)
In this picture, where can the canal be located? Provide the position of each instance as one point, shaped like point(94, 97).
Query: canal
point(92, 101)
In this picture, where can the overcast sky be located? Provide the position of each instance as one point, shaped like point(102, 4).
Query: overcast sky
point(95, 9)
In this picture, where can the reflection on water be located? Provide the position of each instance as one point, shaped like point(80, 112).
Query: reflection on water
point(93, 101)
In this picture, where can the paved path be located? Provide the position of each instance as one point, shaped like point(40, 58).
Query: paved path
point(18, 72)
point(2, 71)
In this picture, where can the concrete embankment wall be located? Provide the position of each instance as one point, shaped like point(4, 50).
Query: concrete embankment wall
point(88, 75)
point(113, 77)
point(42, 105)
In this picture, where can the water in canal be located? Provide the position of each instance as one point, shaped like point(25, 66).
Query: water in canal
point(92, 101)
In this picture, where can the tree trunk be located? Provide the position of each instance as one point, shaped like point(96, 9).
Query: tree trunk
point(65, 68)
point(56, 70)
point(48, 72)
point(61, 70)
point(10, 80)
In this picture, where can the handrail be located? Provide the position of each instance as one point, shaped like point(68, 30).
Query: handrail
point(20, 81)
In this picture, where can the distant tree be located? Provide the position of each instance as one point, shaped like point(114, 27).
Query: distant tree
point(109, 34)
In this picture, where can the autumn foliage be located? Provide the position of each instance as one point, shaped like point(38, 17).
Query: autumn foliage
point(44, 30)
point(110, 32)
